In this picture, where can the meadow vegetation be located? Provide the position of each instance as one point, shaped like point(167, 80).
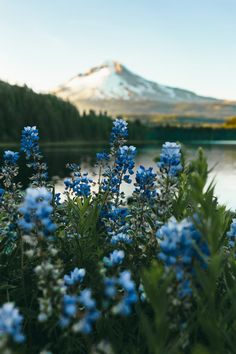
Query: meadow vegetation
point(92, 271)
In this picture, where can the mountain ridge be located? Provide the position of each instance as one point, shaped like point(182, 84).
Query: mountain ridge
point(112, 87)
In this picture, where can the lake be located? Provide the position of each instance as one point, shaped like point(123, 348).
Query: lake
point(220, 155)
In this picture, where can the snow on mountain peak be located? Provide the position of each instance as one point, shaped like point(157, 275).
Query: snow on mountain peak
point(113, 81)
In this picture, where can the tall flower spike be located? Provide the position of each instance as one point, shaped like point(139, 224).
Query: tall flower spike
point(9, 170)
point(170, 159)
point(145, 183)
point(178, 248)
point(10, 157)
point(36, 212)
point(119, 132)
point(79, 183)
point(11, 322)
point(30, 146)
point(29, 141)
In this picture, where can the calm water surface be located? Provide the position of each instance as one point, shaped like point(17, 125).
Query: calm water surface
point(221, 156)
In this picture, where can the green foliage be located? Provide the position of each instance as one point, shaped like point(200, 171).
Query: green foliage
point(158, 317)
point(56, 119)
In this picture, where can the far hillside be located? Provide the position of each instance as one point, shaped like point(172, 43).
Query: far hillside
point(57, 120)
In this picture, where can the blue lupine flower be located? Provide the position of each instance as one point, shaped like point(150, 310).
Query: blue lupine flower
point(124, 307)
point(119, 131)
point(170, 159)
point(115, 219)
point(75, 276)
point(29, 141)
point(79, 184)
point(115, 258)
point(178, 248)
point(10, 157)
point(145, 182)
point(232, 234)
point(125, 159)
point(127, 287)
point(11, 322)
point(70, 308)
point(57, 198)
point(102, 156)
point(124, 165)
point(110, 287)
point(2, 192)
point(121, 238)
point(36, 210)
point(91, 314)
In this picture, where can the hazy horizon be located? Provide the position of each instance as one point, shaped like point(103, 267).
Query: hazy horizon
point(180, 44)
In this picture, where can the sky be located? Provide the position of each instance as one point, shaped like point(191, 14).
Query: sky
point(183, 43)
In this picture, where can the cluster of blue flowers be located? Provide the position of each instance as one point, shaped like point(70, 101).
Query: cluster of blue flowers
point(232, 234)
point(127, 285)
point(10, 157)
point(30, 146)
point(115, 258)
point(119, 131)
point(76, 276)
point(179, 245)
point(11, 322)
point(102, 156)
point(145, 183)
point(170, 159)
point(88, 314)
point(125, 162)
point(80, 183)
point(123, 169)
point(29, 141)
point(36, 211)
point(91, 314)
point(116, 219)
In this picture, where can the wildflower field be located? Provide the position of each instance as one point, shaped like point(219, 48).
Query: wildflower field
point(92, 271)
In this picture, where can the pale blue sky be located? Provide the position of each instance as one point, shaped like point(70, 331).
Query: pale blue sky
point(186, 43)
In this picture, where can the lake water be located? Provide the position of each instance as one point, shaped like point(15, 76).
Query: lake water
point(220, 155)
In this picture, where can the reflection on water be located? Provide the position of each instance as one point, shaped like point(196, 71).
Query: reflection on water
point(220, 156)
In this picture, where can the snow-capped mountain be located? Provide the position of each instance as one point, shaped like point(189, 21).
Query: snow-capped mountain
point(113, 81)
point(114, 88)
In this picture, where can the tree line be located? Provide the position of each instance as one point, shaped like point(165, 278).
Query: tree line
point(57, 120)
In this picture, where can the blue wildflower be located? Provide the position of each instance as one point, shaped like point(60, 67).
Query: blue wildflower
point(70, 309)
point(145, 183)
point(11, 322)
point(36, 210)
point(91, 314)
point(57, 198)
point(232, 234)
point(124, 307)
point(115, 258)
point(170, 159)
point(79, 184)
point(29, 141)
point(178, 248)
point(10, 157)
point(110, 287)
point(75, 276)
point(124, 165)
point(2, 192)
point(102, 156)
point(119, 131)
